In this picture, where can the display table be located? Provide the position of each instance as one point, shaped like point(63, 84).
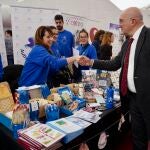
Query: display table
point(108, 123)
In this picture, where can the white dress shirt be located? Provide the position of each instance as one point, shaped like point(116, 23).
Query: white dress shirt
point(130, 75)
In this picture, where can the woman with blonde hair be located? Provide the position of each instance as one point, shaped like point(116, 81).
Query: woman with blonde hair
point(106, 47)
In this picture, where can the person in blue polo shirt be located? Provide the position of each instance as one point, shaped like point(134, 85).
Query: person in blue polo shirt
point(40, 61)
point(85, 49)
point(65, 38)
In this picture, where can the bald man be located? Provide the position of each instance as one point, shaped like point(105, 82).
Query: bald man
point(134, 59)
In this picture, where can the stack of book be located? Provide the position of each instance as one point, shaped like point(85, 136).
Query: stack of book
point(40, 136)
point(71, 129)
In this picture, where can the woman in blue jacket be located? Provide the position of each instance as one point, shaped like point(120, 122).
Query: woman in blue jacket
point(84, 49)
point(40, 60)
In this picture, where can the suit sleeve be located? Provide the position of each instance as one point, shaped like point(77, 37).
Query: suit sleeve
point(110, 65)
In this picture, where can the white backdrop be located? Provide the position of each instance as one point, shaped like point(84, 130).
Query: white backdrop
point(2, 42)
point(92, 26)
point(114, 28)
point(25, 21)
point(74, 24)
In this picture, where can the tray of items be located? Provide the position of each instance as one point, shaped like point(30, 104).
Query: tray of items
point(71, 102)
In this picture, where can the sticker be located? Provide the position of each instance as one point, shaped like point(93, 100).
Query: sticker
point(122, 120)
point(102, 140)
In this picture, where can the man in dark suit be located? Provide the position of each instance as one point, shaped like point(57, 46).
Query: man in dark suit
point(134, 59)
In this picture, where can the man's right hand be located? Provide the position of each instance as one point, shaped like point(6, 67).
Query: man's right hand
point(85, 61)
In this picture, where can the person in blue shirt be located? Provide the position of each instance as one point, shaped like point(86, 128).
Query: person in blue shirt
point(84, 49)
point(40, 61)
point(65, 38)
point(54, 46)
point(1, 69)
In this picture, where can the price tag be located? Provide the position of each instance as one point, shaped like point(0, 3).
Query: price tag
point(103, 82)
point(34, 106)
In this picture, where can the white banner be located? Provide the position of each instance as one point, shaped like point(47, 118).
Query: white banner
point(76, 23)
point(2, 42)
point(25, 21)
point(73, 24)
point(92, 26)
point(114, 28)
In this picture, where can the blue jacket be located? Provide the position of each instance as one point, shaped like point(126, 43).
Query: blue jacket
point(38, 65)
point(1, 69)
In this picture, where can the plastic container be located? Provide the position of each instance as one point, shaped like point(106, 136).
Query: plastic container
point(52, 112)
point(109, 97)
point(23, 96)
point(15, 128)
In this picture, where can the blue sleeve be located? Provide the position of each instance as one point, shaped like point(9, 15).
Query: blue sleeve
point(1, 68)
point(42, 57)
point(73, 41)
point(91, 52)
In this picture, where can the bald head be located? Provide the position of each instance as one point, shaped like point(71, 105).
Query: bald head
point(131, 20)
point(133, 12)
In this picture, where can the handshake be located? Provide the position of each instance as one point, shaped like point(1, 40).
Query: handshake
point(82, 60)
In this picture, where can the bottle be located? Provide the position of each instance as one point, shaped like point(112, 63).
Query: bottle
point(109, 97)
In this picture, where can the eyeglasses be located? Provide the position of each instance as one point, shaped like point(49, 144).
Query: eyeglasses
point(125, 19)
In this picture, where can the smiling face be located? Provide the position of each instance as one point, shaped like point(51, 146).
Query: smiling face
point(83, 38)
point(55, 36)
point(47, 39)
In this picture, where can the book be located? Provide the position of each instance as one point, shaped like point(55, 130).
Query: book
point(82, 123)
point(41, 135)
point(65, 125)
point(71, 129)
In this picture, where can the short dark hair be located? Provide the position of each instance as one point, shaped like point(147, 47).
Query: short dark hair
point(40, 32)
point(9, 32)
point(59, 17)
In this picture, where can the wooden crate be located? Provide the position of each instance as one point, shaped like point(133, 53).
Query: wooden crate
point(6, 99)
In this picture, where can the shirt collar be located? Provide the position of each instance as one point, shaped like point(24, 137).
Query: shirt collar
point(137, 33)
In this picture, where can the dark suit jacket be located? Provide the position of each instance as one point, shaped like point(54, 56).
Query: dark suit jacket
point(141, 69)
point(106, 52)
